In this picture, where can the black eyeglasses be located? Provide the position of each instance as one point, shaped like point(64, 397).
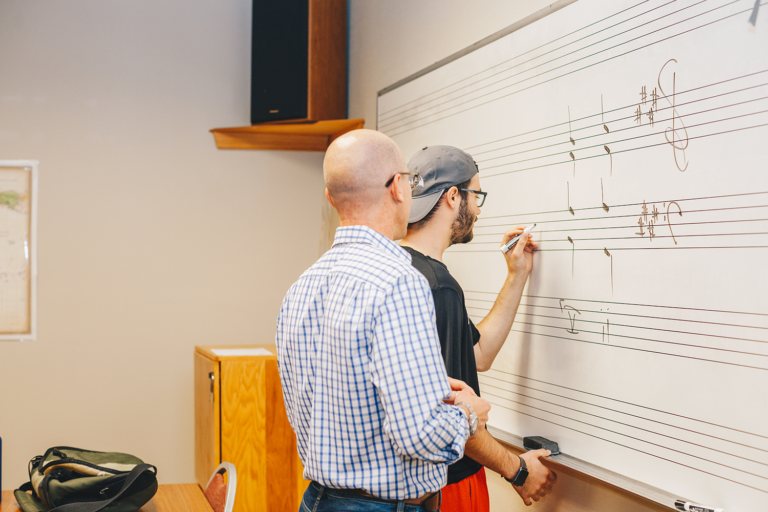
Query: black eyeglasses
point(480, 196)
point(414, 180)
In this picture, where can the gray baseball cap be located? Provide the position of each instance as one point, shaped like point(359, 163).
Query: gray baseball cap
point(441, 167)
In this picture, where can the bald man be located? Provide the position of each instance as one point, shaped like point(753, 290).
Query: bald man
point(376, 418)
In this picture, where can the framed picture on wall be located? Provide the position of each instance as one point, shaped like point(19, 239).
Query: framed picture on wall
point(18, 250)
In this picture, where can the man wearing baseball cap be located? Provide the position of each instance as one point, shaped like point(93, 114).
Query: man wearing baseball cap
point(443, 213)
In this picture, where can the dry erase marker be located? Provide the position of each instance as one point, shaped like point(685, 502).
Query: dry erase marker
point(507, 246)
point(687, 506)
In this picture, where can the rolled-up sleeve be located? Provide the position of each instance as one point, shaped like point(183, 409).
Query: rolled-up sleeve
point(409, 374)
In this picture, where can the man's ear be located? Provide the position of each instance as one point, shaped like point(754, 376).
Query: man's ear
point(453, 198)
point(328, 197)
point(397, 191)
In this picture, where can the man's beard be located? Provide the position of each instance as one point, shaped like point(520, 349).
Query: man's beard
point(461, 231)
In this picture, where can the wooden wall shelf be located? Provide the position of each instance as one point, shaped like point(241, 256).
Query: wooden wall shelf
point(305, 136)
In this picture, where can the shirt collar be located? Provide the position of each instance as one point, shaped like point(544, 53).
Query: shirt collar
point(366, 235)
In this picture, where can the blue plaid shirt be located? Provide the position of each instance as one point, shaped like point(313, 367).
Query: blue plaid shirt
point(362, 375)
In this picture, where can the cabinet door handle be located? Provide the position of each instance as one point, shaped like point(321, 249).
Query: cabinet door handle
point(213, 378)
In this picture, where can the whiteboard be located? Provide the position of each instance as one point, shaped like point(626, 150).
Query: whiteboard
point(633, 133)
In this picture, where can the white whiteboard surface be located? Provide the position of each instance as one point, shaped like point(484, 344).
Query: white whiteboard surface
point(644, 355)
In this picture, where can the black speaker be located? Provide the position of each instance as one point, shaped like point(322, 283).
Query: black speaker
point(279, 60)
point(299, 60)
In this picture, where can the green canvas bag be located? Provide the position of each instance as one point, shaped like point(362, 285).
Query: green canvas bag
point(68, 479)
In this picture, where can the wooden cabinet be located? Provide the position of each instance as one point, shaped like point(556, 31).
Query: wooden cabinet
point(240, 418)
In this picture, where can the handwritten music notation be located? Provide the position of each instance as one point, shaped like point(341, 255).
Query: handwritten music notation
point(724, 337)
point(730, 107)
point(733, 221)
point(573, 142)
point(676, 135)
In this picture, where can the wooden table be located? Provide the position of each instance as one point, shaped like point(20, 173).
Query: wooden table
point(169, 498)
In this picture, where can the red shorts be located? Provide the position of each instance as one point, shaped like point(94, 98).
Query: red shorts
point(468, 495)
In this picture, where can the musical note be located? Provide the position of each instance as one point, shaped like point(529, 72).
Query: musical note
point(605, 250)
point(605, 206)
point(573, 254)
point(683, 142)
point(569, 198)
point(668, 218)
point(573, 142)
point(608, 323)
point(609, 156)
point(574, 163)
point(602, 114)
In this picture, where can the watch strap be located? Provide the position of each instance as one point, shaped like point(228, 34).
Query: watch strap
point(521, 476)
point(471, 418)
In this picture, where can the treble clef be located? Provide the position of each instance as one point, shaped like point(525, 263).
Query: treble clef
point(678, 144)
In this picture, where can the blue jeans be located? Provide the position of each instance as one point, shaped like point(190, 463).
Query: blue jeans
point(322, 499)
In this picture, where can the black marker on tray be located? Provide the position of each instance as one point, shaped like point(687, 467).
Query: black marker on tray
point(687, 506)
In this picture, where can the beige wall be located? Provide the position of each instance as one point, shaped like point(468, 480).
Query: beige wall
point(150, 239)
point(389, 41)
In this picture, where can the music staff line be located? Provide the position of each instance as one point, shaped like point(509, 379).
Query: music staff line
point(627, 304)
point(388, 115)
point(635, 127)
point(610, 217)
point(577, 319)
point(573, 320)
point(453, 250)
point(630, 403)
point(486, 384)
point(484, 376)
point(665, 143)
point(610, 143)
point(555, 240)
point(646, 317)
point(532, 50)
point(403, 128)
point(395, 119)
point(612, 249)
point(602, 113)
point(636, 449)
point(622, 205)
point(639, 338)
point(634, 438)
point(635, 349)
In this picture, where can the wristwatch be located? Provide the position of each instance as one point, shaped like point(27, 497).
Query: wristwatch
point(521, 476)
point(472, 418)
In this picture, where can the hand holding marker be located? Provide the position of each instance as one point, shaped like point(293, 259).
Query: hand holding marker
point(509, 245)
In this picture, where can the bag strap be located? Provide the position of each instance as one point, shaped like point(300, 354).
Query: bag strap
point(96, 506)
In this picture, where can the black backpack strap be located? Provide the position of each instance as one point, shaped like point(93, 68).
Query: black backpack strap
point(26, 487)
point(96, 506)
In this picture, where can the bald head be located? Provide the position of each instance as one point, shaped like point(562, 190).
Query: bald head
point(356, 167)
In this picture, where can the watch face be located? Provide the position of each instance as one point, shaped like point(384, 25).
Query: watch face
point(522, 475)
